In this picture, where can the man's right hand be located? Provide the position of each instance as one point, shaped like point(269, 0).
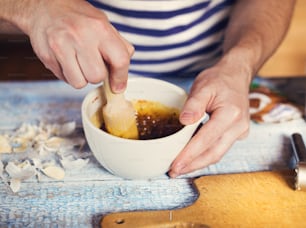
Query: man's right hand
point(74, 40)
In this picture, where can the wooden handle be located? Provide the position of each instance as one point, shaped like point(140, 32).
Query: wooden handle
point(110, 96)
point(119, 114)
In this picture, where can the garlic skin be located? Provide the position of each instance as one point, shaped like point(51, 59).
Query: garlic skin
point(20, 170)
point(17, 172)
point(1, 170)
point(72, 163)
point(40, 150)
point(15, 185)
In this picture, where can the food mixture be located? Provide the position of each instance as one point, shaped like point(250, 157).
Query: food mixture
point(154, 120)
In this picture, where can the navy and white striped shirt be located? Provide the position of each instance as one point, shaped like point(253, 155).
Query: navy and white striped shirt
point(171, 37)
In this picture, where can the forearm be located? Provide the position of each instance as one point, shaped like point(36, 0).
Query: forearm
point(256, 28)
point(14, 15)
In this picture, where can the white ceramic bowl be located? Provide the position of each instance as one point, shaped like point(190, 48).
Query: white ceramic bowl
point(137, 159)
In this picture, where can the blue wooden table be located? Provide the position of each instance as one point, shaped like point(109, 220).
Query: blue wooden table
point(85, 195)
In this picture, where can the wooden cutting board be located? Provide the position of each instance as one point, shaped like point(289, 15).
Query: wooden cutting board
point(261, 199)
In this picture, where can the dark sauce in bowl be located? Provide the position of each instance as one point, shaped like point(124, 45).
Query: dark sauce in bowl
point(155, 120)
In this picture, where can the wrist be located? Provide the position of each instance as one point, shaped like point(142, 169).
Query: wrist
point(242, 61)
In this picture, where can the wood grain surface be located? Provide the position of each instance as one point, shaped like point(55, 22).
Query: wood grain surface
point(260, 199)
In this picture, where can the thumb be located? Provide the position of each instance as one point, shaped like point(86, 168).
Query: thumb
point(193, 109)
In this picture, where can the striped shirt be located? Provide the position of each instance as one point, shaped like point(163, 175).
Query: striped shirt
point(171, 37)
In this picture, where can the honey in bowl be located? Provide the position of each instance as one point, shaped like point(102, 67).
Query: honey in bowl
point(154, 120)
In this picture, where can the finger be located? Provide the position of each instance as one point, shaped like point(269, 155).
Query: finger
point(211, 155)
point(190, 112)
point(192, 150)
point(209, 133)
point(198, 101)
point(92, 66)
point(117, 54)
point(207, 137)
point(49, 60)
point(56, 69)
point(54, 66)
point(70, 67)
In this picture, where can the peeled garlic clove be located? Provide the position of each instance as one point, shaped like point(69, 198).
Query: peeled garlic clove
point(5, 146)
point(74, 163)
point(67, 129)
point(53, 143)
point(54, 172)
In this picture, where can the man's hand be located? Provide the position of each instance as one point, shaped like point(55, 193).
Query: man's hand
point(222, 93)
point(253, 34)
point(75, 41)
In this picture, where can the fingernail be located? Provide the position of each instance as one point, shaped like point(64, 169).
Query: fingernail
point(186, 116)
point(173, 174)
point(178, 168)
point(119, 88)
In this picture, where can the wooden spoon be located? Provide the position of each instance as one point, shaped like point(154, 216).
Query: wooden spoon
point(119, 114)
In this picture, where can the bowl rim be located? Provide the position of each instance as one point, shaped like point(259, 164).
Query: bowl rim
point(87, 100)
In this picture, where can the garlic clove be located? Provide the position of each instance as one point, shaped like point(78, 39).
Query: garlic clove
point(5, 146)
point(54, 172)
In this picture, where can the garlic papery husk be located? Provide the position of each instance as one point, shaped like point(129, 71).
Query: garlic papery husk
point(15, 184)
point(49, 150)
point(70, 162)
point(61, 129)
point(21, 171)
point(1, 170)
point(38, 166)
